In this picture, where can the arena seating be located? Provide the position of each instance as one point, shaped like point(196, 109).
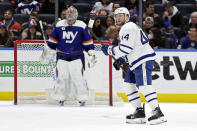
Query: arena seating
point(185, 9)
point(49, 18)
point(4, 6)
point(21, 18)
point(159, 8)
point(84, 10)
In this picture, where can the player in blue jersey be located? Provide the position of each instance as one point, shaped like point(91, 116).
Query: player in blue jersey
point(28, 7)
point(70, 38)
point(134, 48)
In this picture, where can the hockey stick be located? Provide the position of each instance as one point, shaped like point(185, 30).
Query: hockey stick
point(45, 43)
point(101, 43)
point(121, 67)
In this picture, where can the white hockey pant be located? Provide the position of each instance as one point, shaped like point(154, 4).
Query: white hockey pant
point(70, 73)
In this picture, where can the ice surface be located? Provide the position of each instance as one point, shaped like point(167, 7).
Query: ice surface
point(31, 117)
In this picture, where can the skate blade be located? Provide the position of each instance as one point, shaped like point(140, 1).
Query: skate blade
point(136, 121)
point(61, 103)
point(158, 121)
point(81, 103)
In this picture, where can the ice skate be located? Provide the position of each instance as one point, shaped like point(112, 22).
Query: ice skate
point(61, 103)
point(157, 117)
point(82, 103)
point(138, 117)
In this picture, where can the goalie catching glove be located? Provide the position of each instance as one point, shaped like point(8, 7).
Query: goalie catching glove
point(92, 59)
point(48, 55)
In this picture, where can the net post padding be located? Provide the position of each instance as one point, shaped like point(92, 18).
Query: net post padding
point(22, 48)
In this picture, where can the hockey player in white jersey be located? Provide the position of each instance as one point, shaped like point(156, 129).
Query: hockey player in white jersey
point(69, 39)
point(134, 48)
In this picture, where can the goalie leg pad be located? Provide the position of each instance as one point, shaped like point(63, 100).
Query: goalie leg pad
point(60, 92)
point(76, 74)
point(61, 89)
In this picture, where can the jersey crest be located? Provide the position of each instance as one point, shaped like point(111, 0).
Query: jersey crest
point(69, 36)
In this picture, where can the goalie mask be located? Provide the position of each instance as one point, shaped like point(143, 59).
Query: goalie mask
point(122, 10)
point(71, 13)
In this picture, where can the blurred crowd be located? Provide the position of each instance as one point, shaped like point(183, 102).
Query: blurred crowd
point(169, 24)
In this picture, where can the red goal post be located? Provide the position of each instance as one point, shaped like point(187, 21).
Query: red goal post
point(22, 48)
point(110, 72)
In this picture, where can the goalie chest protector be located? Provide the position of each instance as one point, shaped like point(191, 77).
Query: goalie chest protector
point(70, 39)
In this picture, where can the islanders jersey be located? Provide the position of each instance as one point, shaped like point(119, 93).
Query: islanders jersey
point(70, 41)
point(134, 44)
point(15, 27)
point(32, 6)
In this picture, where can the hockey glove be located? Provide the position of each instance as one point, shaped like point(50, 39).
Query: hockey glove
point(92, 59)
point(125, 68)
point(122, 60)
point(48, 55)
point(116, 66)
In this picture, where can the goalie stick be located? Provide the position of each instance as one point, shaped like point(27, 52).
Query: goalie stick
point(45, 43)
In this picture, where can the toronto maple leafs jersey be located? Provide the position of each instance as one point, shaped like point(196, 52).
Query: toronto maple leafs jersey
point(70, 41)
point(134, 44)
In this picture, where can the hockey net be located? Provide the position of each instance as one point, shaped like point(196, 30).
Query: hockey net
point(33, 81)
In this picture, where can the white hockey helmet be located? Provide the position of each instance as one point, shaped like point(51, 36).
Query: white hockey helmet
point(71, 13)
point(122, 10)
